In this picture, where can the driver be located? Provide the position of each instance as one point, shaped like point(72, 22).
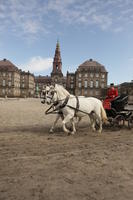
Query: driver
point(112, 92)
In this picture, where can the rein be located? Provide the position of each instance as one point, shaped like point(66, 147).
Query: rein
point(58, 106)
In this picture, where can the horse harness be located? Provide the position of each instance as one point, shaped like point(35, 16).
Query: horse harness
point(57, 106)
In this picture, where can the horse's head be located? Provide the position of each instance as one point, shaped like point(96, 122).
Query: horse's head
point(51, 95)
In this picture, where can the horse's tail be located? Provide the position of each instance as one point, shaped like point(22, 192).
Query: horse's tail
point(103, 114)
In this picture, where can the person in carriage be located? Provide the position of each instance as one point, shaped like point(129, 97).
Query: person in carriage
point(113, 102)
point(112, 92)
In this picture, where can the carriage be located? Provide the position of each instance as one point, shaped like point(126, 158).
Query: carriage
point(118, 111)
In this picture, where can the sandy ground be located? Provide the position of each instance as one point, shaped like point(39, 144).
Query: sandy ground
point(36, 165)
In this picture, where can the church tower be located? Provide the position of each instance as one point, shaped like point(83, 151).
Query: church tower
point(57, 74)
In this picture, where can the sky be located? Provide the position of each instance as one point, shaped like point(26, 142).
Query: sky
point(98, 29)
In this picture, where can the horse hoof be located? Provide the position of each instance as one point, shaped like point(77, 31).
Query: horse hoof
point(51, 131)
point(99, 131)
point(72, 133)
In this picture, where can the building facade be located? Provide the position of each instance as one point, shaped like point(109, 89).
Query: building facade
point(9, 79)
point(11, 84)
point(90, 79)
point(27, 84)
point(40, 82)
point(127, 89)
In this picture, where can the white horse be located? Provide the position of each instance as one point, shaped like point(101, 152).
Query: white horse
point(58, 115)
point(87, 106)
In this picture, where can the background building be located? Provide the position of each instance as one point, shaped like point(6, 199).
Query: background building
point(14, 82)
point(126, 88)
point(90, 79)
point(9, 79)
point(40, 82)
point(27, 84)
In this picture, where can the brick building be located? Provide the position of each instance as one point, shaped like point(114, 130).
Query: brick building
point(90, 79)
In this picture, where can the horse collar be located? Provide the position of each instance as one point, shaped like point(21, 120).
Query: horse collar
point(65, 102)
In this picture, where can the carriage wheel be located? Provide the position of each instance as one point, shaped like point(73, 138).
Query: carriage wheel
point(120, 120)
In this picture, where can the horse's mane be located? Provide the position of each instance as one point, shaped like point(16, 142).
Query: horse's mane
point(62, 92)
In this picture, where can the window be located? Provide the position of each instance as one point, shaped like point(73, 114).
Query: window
point(9, 75)
point(91, 84)
point(79, 92)
point(4, 74)
point(72, 78)
point(3, 91)
point(97, 93)
point(102, 85)
point(57, 67)
point(79, 75)
point(97, 84)
point(91, 75)
point(79, 84)
point(86, 75)
point(103, 75)
point(91, 92)
point(71, 86)
point(9, 83)
point(85, 92)
point(4, 83)
point(23, 85)
point(85, 84)
point(97, 75)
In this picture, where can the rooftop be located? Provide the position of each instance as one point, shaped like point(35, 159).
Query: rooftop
point(92, 65)
point(7, 65)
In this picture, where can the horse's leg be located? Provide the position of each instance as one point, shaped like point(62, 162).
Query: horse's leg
point(73, 125)
point(100, 124)
point(55, 122)
point(98, 118)
point(92, 119)
point(66, 120)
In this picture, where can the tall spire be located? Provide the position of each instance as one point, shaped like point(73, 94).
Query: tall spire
point(58, 45)
point(57, 63)
point(57, 74)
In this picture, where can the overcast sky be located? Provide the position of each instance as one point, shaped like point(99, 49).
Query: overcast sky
point(97, 29)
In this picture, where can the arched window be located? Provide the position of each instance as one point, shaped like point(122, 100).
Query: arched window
point(97, 83)
point(85, 83)
point(91, 84)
